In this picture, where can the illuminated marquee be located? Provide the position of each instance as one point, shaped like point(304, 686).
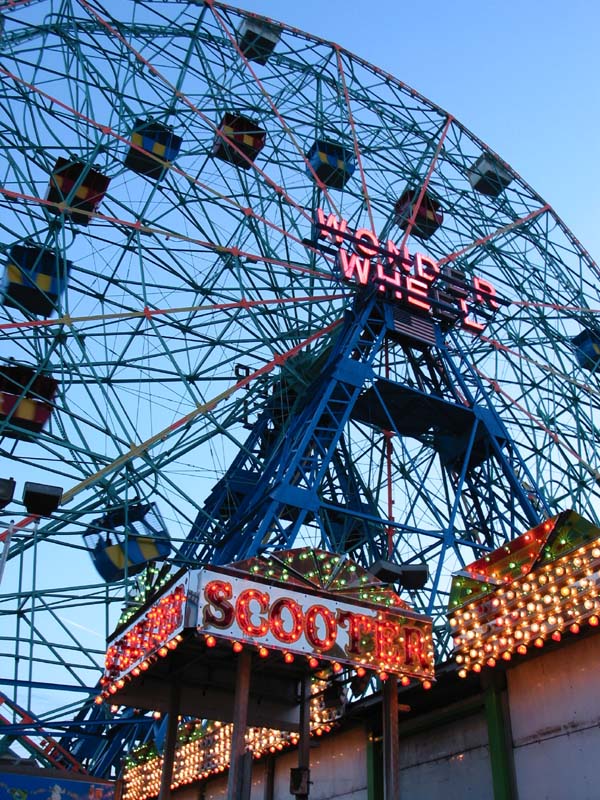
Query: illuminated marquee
point(299, 602)
point(386, 640)
point(530, 591)
point(157, 628)
point(417, 281)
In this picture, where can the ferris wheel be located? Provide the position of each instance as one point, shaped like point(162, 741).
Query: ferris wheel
point(258, 293)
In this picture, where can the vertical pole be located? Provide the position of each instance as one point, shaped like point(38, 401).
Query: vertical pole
point(374, 766)
point(240, 719)
point(391, 743)
point(304, 741)
point(5, 548)
point(499, 737)
point(269, 793)
point(166, 777)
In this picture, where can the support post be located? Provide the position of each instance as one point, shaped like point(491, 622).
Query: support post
point(166, 777)
point(391, 743)
point(5, 547)
point(300, 775)
point(374, 766)
point(499, 737)
point(269, 793)
point(303, 772)
point(240, 719)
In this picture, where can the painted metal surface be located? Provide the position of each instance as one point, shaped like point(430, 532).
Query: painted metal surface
point(337, 770)
point(555, 711)
point(449, 762)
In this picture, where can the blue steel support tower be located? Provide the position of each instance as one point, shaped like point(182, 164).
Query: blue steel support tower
point(296, 480)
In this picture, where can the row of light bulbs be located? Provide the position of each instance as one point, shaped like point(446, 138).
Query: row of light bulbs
point(560, 596)
point(204, 751)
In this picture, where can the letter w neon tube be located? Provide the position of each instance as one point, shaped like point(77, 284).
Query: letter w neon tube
point(352, 264)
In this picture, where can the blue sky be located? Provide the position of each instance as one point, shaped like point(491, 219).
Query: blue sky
point(523, 76)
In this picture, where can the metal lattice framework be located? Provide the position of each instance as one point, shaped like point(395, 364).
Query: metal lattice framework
point(203, 318)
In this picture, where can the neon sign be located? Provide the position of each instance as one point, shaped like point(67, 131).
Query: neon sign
point(415, 281)
point(324, 626)
point(157, 628)
point(267, 613)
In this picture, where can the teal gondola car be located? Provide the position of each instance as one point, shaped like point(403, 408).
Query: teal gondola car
point(126, 540)
point(159, 149)
point(34, 280)
point(332, 163)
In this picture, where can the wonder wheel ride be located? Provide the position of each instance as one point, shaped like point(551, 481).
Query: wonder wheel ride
point(257, 294)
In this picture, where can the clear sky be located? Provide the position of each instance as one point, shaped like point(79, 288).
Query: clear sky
point(522, 75)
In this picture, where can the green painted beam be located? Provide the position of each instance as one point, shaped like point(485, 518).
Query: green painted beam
point(499, 740)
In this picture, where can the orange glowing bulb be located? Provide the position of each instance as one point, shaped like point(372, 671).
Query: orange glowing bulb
point(237, 647)
point(574, 628)
point(210, 641)
point(313, 662)
point(288, 658)
point(426, 685)
point(557, 636)
point(263, 652)
point(594, 621)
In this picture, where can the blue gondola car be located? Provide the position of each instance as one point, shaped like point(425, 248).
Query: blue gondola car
point(333, 164)
point(161, 148)
point(126, 540)
point(34, 279)
point(587, 348)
